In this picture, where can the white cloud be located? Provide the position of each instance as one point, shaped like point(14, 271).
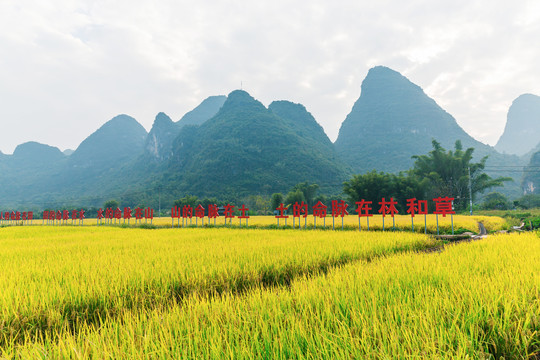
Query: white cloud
point(67, 67)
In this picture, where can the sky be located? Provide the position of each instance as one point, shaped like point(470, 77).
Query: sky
point(67, 67)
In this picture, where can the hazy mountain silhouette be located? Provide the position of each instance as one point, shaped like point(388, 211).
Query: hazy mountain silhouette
point(207, 109)
point(118, 140)
point(522, 131)
point(36, 154)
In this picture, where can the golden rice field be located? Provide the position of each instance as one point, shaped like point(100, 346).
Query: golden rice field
point(218, 293)
point(421, 224)
point(402, 222)
point(57, 278)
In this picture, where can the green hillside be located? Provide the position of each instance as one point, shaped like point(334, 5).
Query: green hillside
point(248, 149)
point(394, 119)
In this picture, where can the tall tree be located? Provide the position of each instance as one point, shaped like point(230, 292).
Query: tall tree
point(295, 196)
point(448, 173)
point(309, 191)
point(190, 200)
point(112, 204)
point(275, 201)
point(373, 186)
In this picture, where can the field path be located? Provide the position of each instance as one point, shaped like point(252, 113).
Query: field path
point(482, 232)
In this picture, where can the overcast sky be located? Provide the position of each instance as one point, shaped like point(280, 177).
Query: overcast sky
point(67, 67)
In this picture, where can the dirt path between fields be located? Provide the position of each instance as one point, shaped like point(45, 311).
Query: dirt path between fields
point(482, 234)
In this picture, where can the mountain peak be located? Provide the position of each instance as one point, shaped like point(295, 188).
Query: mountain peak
point(239, 97)
point(237, 94)
point(382, 79)
point(301, 121)
point(240, 100)
point(394, 119)
point(381, 70)
point(35, 151)
point(162, 118)
point(118, 139)
point(526, 97)
point(160, 137)
point(204, 111)
point(522, 130)
point(122, 120)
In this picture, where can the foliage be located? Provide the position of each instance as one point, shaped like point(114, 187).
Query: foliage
point(258, 204)
point(374, 186)
point(309, 191)
point(190, 200)
point(529, 201)
point(530, 182)
point(322, 198)
point(247, 149)
point(295, 196)
point(447, 173)
point(111, 204)
point(276, 200)
point(496, 201)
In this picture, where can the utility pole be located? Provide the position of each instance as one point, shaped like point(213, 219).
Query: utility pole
point(159, 201)
point(470, 190)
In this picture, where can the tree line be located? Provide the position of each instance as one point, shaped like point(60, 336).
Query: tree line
point(439, 173)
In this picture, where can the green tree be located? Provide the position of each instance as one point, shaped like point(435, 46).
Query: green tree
point(207, 201)
point(113, 204)
point(191, 200)
point(448, 173)
point(322, 198)
point(293, 197)
point(373, 186)
point(309, 191)
point(528, 201)
point(495, 201)
point(258, 204)
point(275, 201)
point(531, 177)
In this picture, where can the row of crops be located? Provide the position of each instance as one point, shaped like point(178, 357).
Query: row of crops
point(106, 292)
point(430, 224)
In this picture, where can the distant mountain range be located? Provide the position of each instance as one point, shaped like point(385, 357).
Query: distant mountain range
point(233, 146)
point(249, 149)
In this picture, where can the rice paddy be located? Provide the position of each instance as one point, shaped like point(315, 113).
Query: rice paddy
point(121, 293)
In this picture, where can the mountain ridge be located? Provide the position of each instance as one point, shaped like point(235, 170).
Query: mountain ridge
point(522, 131)
point(235, 146)
point(250, 145)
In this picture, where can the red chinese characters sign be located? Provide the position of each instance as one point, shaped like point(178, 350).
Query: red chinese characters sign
point(338, 208)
